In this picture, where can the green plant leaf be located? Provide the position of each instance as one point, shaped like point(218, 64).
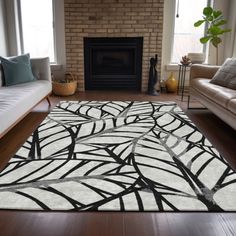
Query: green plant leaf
point(216, 14)
point(226, 31)
point(198, 23)
point(221, 22)
point(207, 11)
point(204, 40)
point(223, 31)
point(210, 18)
point(214, 30)
point(216, 41)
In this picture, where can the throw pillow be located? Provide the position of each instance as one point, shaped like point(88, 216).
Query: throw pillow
point(17, 70)
point(226, 75)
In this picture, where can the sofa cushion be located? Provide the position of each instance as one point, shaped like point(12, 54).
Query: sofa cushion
point(232, 105)
point(18, 99)
point(226, 75)
point(17, 70)
point(219, 94)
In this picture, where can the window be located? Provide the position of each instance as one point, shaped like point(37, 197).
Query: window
point(186, 36)
point(37, 33)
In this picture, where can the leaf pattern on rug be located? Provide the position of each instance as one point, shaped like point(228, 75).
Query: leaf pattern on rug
point(118, 156)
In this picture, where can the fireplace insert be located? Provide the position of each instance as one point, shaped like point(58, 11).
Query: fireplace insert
point(113, 63)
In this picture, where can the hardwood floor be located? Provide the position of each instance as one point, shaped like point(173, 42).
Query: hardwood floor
point(119, 224)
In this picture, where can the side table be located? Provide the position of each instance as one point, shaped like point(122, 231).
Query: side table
point(181, 79)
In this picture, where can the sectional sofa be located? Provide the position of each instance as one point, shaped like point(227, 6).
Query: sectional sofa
point(17, 101)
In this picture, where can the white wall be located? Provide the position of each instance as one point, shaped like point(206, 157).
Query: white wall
point(168, 31)
point(12, 28)
point(59, 24)
point(3, 36)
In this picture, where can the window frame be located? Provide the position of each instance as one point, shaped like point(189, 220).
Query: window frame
point(205, 46)
point(20, 25)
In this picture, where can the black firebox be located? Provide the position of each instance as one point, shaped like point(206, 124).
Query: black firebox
point(113, 63)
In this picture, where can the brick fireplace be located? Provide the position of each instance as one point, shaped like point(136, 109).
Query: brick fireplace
point(112, 18)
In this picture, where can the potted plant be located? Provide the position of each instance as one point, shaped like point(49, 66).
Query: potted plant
point(215, 28)
point(66, 86)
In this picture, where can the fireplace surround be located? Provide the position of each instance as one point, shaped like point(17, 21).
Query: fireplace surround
point(113, 63)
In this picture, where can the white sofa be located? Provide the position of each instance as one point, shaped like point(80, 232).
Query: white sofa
point(17, 101)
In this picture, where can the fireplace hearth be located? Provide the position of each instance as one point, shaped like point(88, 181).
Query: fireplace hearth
point(113, 63)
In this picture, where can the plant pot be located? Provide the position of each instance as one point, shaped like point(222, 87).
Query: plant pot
point(64, 89)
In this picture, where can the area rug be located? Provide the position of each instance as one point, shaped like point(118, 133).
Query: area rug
point(118, 156)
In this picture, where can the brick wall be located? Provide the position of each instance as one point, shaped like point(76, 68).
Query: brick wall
point(112, 18)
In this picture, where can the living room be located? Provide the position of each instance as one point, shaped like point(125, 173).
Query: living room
point(117, 117)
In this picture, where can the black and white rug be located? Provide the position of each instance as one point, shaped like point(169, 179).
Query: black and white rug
point(118, 156)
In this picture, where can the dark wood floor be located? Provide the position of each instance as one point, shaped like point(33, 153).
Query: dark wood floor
point(120, 224)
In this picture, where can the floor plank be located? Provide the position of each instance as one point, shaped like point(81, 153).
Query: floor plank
point(119, 224)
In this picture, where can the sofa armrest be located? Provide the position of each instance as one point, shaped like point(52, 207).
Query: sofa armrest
point(203, 71)
point(41, 68)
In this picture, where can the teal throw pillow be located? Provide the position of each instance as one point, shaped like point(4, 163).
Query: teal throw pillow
point(17, 70)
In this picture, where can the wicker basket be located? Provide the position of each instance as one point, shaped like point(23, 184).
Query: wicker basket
point(65, 88)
